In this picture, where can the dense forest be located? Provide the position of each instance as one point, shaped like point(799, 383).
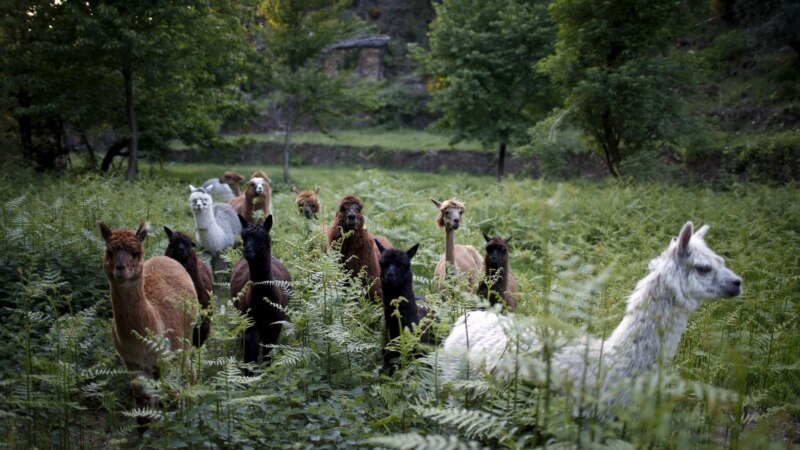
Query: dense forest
point(649, 88)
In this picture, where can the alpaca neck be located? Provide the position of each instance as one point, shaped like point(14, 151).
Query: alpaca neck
point(236, 190)
point(651, 329)
point(407, 308)
point(206, 222)
point(450, 246)
point(498, 288)
point(260, 271)
point(131, 310)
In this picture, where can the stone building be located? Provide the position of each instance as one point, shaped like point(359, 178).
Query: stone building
point(363, 55)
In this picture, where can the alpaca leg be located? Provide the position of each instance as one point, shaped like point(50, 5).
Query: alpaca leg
point(269, 336)
point(252, 341)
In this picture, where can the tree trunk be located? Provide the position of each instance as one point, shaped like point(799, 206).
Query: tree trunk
point(133, 148)
point(114, 150)
point(89, 150)
point(501, 160)
point(286, 144)
point(25, 126)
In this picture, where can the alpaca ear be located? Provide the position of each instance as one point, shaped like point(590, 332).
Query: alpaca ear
point(683, 239)
point(104, 231)
point(412, 251)
point(508, 239)
point(268, 223)
point(141, 233)
point(243, 221)
point(316, 191)
point(437, 203)
point(486, 237)
point(381, 248)
point(701, 233)
point(192, 188)
point(168, 231)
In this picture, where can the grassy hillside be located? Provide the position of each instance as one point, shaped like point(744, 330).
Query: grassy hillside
point(577, 248)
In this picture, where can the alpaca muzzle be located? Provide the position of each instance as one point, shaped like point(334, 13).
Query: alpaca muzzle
point(733, 287)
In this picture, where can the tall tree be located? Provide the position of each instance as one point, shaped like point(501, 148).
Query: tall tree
point(480, 64)
point(297, 33)
point(621, 87)
point(173, 60)
point(152, 71)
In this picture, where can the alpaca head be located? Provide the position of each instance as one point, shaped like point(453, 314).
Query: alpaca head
point(124, 256)
point(450, 213)
point(199, 199)
point(496, 251)
point(396, 266)
point(258, 184)
point(694, 270)
point(256, 241)
point(307, 202)
point(349, 215)
point(180, 247)
point(231, 178)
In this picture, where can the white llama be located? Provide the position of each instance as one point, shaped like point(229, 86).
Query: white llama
point(685, 274)
point(217, 223)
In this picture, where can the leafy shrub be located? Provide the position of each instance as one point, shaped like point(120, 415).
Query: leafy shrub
point(578, 250)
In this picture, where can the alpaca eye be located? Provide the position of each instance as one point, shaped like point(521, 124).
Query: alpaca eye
point(703, 269)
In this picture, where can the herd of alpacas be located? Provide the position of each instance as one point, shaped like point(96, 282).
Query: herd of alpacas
point(170, 296)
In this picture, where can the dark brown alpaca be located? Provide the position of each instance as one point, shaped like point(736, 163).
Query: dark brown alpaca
point(359, 251)
point(505, 284)
point(259, 266)
point(182, 249)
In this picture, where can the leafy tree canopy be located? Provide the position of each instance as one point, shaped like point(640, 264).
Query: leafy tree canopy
point(480, 66)
point(620, 86)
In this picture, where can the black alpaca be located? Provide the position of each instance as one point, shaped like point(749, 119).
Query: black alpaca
point(396, 282)
point(505, 284)
point(258, 266)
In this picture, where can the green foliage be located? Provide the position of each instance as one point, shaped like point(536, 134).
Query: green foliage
point(622, 89)
point(480, 66)
point(297, 32)
point(578, 250)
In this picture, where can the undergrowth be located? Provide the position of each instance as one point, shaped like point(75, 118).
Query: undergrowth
point(577, 249)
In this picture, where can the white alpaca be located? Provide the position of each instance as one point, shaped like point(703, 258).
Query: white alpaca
point(218, 189)
point(685, 274)
point(217, 223)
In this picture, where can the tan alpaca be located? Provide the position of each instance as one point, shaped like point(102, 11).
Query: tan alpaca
point(464, 259)
point(257, 196)
point(232, 179)
point(156, 296)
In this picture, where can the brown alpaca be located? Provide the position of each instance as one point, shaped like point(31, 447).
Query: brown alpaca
point(359, 251)
point(233, 179)
point(257, 196)
point(182, 249)
point(155, 296)
point(504, 288)
point(307, 202)
point(464, 259)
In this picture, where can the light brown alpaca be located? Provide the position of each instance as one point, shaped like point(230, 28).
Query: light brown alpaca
point(233, 179)
point(307, 202)
point(464, 259)
point(156, 296)
point(257, 196)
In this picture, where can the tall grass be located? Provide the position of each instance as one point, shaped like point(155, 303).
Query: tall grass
point(577, 249)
